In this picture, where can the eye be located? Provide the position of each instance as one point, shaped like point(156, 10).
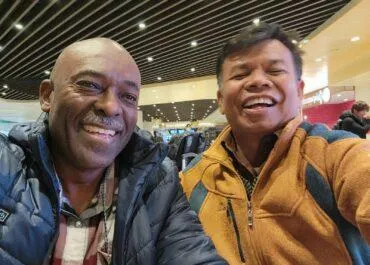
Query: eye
point(130, 98)
point(276, 71)
point(239, 76)
point(89, 85)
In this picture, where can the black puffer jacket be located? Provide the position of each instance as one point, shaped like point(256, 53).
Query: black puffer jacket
point(154, 224)
point(349, 122)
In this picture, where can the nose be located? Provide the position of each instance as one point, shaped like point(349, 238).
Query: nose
point(109, 103)
point(258, 80)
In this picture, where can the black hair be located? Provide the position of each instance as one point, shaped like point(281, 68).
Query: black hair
point(360, 106)
point(256, 34)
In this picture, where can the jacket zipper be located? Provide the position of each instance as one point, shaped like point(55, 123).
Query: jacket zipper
point(230, 212)
point(250, 214)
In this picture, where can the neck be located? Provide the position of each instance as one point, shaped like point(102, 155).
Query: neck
point(249, 146)
point(255, 148)
point(79, 185)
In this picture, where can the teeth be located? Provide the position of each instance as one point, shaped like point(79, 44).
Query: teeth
point(254, 101)
point(94, 129)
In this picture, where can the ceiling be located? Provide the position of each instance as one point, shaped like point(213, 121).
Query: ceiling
point(33, 33)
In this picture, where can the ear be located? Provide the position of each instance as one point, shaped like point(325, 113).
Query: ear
point(300, 88)
point(220, 101)
point(46, 94)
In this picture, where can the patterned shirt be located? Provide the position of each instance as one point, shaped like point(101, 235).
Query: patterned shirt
point(82, 238)
point(248, 173)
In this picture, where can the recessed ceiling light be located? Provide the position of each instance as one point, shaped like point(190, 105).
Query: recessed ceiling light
point(193, 43)
point(192, 69)
point(158, 109)
point(18, 26)
point(159, 78)
point(174, 107)
point(148, 115)
point(150, 59)
point(138, 107)
point(305, 41)
point(318, 60)
point(173, 102)
point(3, 93)
point(256, 21)
point(1, 48)
point(192, 104)
point(214, 101)
point(294, 41)
point(154, 105)
point(355, 38)
point(142, 25)
point(5, 86)
point(47, 72)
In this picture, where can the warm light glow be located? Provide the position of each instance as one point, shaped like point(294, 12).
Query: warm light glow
point(150, 59)
point(355, 38)
point(256, 21)
point(18, 26)
point(142, 25)
point(193, 43)
point(192, 69)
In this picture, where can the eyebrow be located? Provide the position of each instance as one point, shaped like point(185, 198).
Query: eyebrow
point(97, 74)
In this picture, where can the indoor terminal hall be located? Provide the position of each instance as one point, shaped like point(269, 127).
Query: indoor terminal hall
point(184, 132)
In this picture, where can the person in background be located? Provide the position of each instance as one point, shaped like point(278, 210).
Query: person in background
point(273, 189)
point(81, 187)
point(354, 120)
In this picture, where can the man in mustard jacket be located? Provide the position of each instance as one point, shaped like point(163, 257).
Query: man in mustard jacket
point(273, 189)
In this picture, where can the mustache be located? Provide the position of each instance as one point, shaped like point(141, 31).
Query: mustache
point(99, 120)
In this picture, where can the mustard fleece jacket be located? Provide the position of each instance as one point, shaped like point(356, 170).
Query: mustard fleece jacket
point(283, 223)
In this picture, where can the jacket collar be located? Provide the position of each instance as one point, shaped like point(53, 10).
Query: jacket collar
point(217, 151)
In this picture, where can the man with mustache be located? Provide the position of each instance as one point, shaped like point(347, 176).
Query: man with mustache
point(273, 189)
point(81, 187)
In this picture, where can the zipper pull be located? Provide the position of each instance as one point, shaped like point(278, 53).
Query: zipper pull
point(250, 214)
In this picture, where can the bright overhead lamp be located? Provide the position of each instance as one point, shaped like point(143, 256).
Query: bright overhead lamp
point(355, 38)
point(158, 110)
point(18, 26)
point(294, 41)
point(47, 72)
point(256, 21)
point(142, 25)
point(174, 107)
point(192, 69)
point(1, 48)
point(150, 59)
point(5, 86)
point(3, 93)
point(159, 78)
point(138, 108)
point(192, 104)
point(194, 43)
point(154, 105)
